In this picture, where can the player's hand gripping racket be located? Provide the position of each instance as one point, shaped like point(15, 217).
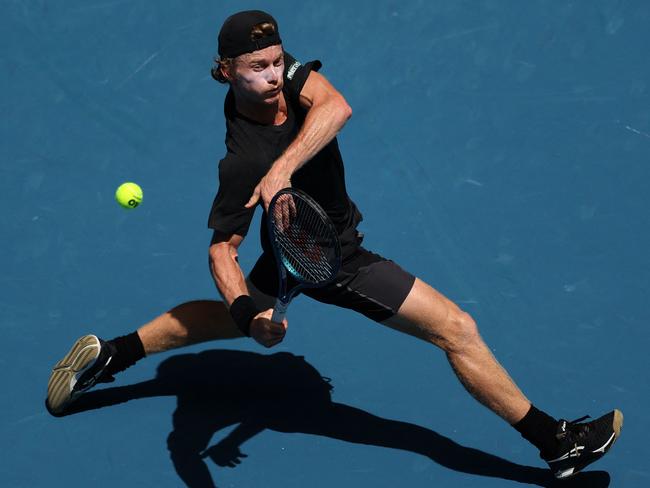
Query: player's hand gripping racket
point(305, 244)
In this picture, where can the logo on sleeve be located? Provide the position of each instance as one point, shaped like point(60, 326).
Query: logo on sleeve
point(292, 69)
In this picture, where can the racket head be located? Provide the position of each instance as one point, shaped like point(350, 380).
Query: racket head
point(303, 237)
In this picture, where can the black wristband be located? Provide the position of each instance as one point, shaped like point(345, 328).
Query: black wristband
point(242, 310)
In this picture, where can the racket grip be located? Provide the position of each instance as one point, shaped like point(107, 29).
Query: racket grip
point(279, 311)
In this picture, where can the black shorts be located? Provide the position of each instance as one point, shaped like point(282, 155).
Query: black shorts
point(367, 283)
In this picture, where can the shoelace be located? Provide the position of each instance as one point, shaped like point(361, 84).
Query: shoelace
point(573, 429)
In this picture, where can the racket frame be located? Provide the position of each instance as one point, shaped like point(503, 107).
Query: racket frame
point(285, 296)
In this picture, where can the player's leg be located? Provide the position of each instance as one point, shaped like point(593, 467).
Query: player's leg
point(92, 360)
point(566, 446)
point(384, 292)
point(189, 323)
point(430, 316)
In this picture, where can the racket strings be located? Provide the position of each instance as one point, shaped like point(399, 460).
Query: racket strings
point(305, 241)
point(304, 254)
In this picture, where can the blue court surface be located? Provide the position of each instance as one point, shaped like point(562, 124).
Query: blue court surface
point(499, 150)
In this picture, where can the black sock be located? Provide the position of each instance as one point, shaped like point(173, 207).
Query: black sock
point(539, 429)
point(128, 350)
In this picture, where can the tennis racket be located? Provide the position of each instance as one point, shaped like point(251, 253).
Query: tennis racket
point(305, 244)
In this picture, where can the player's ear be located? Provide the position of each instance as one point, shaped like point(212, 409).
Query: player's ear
point(227, 67)
point(223, 70)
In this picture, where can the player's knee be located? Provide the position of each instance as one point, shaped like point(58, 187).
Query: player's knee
point(176, 329)
point(462, 331)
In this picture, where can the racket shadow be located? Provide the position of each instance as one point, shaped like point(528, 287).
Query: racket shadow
point(282, 392)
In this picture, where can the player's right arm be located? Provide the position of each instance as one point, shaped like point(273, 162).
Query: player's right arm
point(224, 265)
point(230, 281)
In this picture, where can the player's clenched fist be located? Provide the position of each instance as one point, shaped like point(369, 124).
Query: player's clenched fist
point(266, 332)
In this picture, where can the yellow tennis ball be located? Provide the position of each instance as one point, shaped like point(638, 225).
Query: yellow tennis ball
point(129, 195)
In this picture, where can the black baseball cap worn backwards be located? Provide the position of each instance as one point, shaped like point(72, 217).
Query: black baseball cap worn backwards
point(235, 36)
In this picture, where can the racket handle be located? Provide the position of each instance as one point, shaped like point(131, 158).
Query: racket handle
point(279, 311)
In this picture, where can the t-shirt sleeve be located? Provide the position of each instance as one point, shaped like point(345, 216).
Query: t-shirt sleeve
point(236, 184)
point(296, 73)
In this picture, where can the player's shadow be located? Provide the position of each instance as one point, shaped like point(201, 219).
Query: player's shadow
point(283, 392)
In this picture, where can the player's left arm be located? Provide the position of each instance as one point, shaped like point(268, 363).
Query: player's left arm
point(327, 113)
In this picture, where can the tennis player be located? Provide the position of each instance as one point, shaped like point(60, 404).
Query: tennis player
point(282, 118)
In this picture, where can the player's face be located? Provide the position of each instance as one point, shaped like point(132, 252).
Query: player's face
point(258, 76)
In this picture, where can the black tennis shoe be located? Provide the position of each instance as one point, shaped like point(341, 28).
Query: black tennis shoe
point(78, 371)
point(580, 444)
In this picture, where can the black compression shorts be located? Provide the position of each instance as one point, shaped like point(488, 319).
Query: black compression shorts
point(367, 283)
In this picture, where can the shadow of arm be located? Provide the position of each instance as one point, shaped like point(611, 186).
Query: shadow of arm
point(226, 452)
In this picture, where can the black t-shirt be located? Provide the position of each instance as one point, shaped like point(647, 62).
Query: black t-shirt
point(253, 147)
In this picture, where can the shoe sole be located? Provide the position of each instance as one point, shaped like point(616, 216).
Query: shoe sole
point(80, 358)
point(617, 425)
